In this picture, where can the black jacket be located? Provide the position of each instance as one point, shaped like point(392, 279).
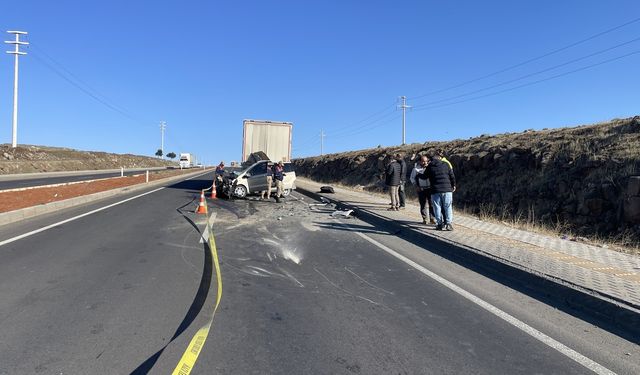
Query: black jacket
point(403, 170)
point(278, 172)
point(393, 173)
point(440, 176)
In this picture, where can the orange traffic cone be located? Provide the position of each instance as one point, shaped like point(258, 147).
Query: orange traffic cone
point(214, 193)
point(202, 207)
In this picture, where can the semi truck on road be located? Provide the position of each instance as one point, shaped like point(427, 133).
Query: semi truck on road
point(185, 160)
point(271, 137)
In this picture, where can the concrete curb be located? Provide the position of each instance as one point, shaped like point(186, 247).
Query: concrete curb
point(618, 317)
point(29, 212)
point(31, 176)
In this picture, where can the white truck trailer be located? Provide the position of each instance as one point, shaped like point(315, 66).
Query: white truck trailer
point(185, 160)
point(271, 137)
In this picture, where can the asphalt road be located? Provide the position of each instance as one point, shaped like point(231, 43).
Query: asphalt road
point(9, 182)
point(125, 289)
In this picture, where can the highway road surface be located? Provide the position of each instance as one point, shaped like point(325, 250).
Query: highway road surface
point(125, 289)
point(39, 179)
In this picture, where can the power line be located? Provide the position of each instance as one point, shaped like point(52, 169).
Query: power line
point(528, 61)
point(534, 82)
point(394, 118)
point(528, 75)
point(346, 128)
point(344, 132)
point(65, 74)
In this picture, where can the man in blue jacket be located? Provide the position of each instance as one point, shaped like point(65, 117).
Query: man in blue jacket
point(443, 184)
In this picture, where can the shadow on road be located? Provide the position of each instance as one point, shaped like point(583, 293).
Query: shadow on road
point(198, 301)
point(606, 315)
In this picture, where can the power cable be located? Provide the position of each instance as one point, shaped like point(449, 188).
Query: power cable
point(534, 82)
point(528, 61)
point(394, 118)
point(383, 110)
point(65, 74)
point(343, 132)
point(527, 75)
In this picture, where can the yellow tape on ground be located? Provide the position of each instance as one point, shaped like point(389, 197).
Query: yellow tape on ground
point(190, 356)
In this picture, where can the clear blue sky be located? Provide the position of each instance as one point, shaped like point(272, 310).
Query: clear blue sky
point(204, 66)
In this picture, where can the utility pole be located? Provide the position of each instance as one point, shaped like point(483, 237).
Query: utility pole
point(404, 107)
point(16, 52)
point(322, 135)
point(163, 125)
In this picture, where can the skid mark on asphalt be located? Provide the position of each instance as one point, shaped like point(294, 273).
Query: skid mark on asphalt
point(290, 276)
point(366, 282)
point(349, 293)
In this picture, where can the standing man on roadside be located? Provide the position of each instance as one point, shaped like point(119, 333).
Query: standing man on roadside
point(443, 184)
point(392, 179)
point(220, 170)
point(403, 180)
point(266, 194)
point(440, 152)
point(219, 176)
point(278, 177)
point(423, 187)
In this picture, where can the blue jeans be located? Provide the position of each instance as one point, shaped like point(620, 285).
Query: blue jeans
point(443, 202)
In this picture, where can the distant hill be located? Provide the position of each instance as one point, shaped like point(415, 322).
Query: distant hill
point(583, 179)
point(28, 159)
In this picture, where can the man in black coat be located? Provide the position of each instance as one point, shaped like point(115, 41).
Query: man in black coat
point(392, 180)
point(403, 180)
point(443, 184)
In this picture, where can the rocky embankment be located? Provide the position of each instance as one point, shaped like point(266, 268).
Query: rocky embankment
point(585, 179)
point(29, 159)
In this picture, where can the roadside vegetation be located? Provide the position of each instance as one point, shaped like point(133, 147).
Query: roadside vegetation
point(581, 183)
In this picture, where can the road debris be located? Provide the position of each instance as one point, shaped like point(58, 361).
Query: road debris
point(327, 189)
point(346, 214)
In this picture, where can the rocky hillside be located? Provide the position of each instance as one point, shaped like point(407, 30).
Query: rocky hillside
point(583, 179)
point(28, 159)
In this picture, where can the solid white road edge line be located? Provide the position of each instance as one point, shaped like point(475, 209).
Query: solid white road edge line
point(584, 361)
point(24, 235)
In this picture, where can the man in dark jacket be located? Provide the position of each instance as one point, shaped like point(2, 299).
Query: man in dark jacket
point(423, 188)
point(392, 179)
point(278, 177)
point(403, 179)
point(443, 184)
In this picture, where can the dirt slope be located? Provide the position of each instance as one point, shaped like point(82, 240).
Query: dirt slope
point(583, 179)
point(28, 159)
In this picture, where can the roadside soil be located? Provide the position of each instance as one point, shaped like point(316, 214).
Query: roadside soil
point(14, 200)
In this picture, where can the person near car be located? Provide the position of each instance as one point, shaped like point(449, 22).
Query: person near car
point(219, 176)
point(266, 194)
point(392, 180)
point(443, 184)
point(423, 188)
point(220, 170)
point(440, 152)
point(278, 177)
point(403, 180)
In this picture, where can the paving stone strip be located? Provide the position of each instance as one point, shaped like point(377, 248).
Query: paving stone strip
point(602, 270)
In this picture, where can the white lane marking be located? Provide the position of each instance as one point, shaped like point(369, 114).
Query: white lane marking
point(584, 361)
point(205, 235)
point(24, 235)
point(16, 238)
